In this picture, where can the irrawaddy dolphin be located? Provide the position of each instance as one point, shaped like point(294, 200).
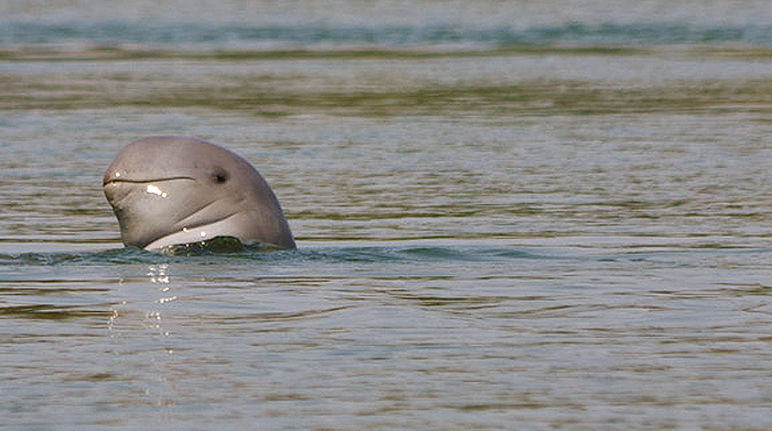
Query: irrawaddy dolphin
point(167, 191)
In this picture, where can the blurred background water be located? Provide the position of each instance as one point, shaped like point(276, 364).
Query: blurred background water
point(510, 215)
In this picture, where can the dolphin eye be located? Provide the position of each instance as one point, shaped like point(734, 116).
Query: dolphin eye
point(220, 176)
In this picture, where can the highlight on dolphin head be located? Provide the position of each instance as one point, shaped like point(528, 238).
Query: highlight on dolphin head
point(168, 191)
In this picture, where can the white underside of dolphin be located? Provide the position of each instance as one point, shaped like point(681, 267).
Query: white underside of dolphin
point(224, 227)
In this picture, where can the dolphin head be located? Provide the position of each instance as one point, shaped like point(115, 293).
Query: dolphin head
point(170, 190)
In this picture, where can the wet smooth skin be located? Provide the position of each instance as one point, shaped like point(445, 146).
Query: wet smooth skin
point(173, 190)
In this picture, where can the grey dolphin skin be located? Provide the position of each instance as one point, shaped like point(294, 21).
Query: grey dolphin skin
point(170, 190)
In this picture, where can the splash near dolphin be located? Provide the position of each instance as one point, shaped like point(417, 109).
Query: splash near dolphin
point(168, 191)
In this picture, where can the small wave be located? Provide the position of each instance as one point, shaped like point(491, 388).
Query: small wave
point(52, 312)
point(331, 255)
point(117, 256)
point(220, 35)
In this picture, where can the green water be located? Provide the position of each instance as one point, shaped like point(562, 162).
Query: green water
point(493, 233)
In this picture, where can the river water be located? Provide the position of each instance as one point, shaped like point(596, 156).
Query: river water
point(509, 215)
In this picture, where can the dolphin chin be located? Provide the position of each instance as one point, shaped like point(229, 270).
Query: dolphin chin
point(168, 191)
point(219, 228)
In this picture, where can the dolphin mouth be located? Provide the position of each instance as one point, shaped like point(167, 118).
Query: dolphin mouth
point(116, 190)
point(143, 180)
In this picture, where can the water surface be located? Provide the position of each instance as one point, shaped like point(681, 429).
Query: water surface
point(508, 216)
